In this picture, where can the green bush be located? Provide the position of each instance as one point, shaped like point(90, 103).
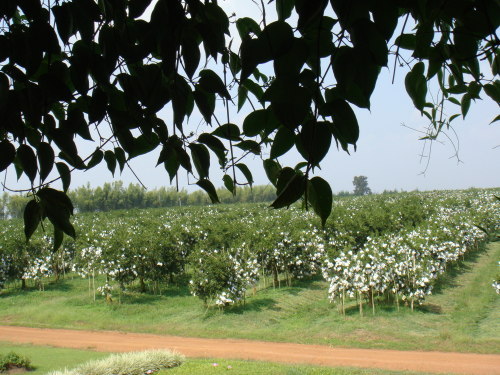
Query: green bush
point(11, 360)
point(133, 363)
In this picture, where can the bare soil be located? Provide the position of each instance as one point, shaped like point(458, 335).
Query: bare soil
point(431, 362)
point(15, 370)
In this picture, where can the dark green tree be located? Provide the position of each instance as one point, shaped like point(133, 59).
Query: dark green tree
point(361, 185)
point(99, 70)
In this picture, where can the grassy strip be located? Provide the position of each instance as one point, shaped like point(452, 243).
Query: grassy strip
point(459, 317)
point(224, 366)
point(47, 359)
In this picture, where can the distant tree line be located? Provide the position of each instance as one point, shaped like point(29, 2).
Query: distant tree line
point(116, 196)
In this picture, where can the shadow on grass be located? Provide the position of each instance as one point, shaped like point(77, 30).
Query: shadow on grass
point(251, 305)
point(62, 285)
point(449, 278)
point(257, 304)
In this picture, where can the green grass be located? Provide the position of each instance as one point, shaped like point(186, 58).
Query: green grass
point(47, 359)
point(225, 366)
point(462, 315)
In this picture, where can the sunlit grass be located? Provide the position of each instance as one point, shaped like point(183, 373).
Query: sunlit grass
point(48, 359)
point(45, 359)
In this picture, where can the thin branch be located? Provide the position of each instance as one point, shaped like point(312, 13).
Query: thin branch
point(397, 49)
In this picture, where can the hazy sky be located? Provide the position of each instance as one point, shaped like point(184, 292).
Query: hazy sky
point(388, 153)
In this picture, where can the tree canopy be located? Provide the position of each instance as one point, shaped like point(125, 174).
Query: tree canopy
point(102, 70)
point(361, 185)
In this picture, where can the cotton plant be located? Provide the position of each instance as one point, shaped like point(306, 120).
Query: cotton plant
point(404, 263)
point(223, 276)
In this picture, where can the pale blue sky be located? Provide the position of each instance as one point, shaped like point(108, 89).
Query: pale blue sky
point(388, 153)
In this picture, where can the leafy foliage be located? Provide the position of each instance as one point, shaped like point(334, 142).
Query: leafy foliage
point(361, 185)
point(12, 360)
point(74, 68)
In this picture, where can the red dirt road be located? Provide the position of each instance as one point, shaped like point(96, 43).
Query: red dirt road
point(435, 362)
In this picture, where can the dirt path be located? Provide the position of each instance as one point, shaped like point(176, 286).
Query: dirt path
point(436, 362)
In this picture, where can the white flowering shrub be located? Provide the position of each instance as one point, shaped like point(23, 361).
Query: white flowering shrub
point(408, 262)
point(4, 265)
point(222, 277)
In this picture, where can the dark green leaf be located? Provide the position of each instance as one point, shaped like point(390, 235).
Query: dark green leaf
point(246, 26)
point(190, 53)
point(182, 98)
point(259, 121)
point(56, 198)
point(58, 238)
point(320, 197)
point(205, 103)
point(416, 85)
point(60, 219)
point(254, 88)
point(169, 157)
point(229, 184)
point(215, 145)
point(46, 159)
point(210, 189)
point(309, 11)
point(356, 75)
point(292, 192)
point(251, 52)
point(495, 119)
point(493, 91)
point(213, 84)
point(120, 157)
point(284, 8)
point(290, 64)
point(228, 131)
point(7, 154)
point(58, 208)
point(285, 175)
point(423, 40)
point(453, 117)
point(110, 159)
point(248, 145)
point(345, 125)
point(465, 104)
point(290, 102)
point(242, 96)
point(365, 35)
point(201, 159)
point(143, 144)
point(272, 169)
point(314, 141)
point(386, 16)
point(275, 40)
point(27, 158)
point(283, 142)
point(64, 21)
point(65, 175)
point(32, 217)
point(97, 157)
point(246, 172)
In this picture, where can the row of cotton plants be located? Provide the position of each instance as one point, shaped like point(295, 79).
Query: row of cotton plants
point(395, 244)
point(406, 264)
